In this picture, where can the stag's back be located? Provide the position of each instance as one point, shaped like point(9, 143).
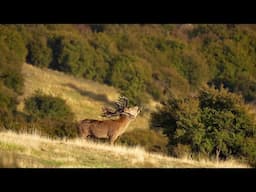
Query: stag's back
point(102, 129)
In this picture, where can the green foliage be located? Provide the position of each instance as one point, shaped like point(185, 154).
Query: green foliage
point(14, 49)
point(185, 59)
point(249, 149)
point(14, 81)
point(13, 53)
point(127, 74)
point(44, 106)
point(46, 115)
point(151, 140)
point(181, 151)
point(194, 69)
point(74, 55)
point(12, 56)
point(214, 54)
point(229, 51)
point(69, 55)
point(167, 82)
point(39, 54)
point(7, 98)
point(97, 27)
point(5, 117)
point(54, 128)
point(216, 123)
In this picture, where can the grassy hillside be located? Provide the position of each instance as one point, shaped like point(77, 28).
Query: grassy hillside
point(85, 97)
point(24, 150)
point(170, 63)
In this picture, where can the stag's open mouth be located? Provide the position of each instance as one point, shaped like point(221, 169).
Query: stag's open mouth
point(140, 109)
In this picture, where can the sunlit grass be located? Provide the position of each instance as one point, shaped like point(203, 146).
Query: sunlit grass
point(33, 150)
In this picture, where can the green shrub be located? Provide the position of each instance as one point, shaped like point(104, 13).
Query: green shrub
point(5, 118)
point(20, 122)
point(13, 53)
point(14, 80)
point(249, 150)
point(39, 54)
point(151, 140)
point(220, 54)
point(72, 55)
point(43, 106)
point(8, 98)
point(216, 123)
point(130, 77)
point(53, 128)
point(97, 27)
point(14, 49)
point(194, 69)
point(180, 151)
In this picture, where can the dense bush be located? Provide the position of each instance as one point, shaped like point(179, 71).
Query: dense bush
point(49, 116)
point(218, 54)
point(127, 74)
point(129, 57)
point(151, 140)
point(39, 54)
point(5, 118)
point(53, 128)
point(216, 123)
point(72, 55)
point(229, 52)
point(44, 106)
point(180, 151)
point(13, 53)
point(12, 47)
point(20, 122)
point(7, 98)
point(46, 115)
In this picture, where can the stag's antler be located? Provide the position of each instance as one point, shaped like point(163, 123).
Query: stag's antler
point(120, 105)
point(108, 112)
point(125, 99)
point(122, 102)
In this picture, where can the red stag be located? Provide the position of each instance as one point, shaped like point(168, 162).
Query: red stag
point(111, 128)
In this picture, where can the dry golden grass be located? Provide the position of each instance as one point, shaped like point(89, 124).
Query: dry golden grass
point(85, 97)
point(32, 150)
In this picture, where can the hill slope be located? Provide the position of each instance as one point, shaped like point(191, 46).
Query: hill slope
point(85, 97)
point(24, 150)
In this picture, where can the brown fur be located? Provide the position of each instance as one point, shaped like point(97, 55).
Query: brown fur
point(110, 129)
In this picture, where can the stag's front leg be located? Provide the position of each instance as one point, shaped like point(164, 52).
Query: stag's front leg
point(112, 139)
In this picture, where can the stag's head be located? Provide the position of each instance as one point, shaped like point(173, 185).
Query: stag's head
point(131, 112)
point(121, 108)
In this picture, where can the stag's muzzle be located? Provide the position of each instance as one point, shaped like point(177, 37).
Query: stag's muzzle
point(140, 109)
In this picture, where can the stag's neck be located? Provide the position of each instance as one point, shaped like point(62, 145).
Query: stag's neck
point(124, 121)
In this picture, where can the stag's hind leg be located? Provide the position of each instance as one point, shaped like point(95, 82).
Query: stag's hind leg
point(83, 132)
